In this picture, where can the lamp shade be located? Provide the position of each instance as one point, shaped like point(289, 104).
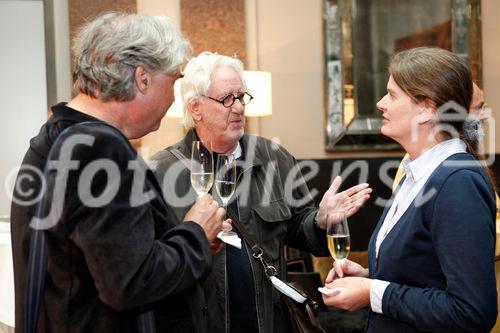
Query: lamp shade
point(176, 109)
point(259, 86)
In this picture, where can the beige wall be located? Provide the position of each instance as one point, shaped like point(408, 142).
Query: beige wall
point(491, 61)
point(285, 38)
point(290, 47)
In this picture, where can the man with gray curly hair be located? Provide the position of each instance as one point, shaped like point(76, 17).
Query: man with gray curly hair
point(117, 258)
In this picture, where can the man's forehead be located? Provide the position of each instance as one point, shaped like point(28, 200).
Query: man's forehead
point(224, 74)
point(225, 79)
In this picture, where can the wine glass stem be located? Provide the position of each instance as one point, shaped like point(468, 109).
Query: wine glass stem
point(224, 205)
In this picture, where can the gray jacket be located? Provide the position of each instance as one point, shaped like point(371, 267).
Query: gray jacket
point(275, 207)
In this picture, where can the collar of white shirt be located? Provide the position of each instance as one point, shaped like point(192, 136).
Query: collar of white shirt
point(237, 151)
point(432, 158)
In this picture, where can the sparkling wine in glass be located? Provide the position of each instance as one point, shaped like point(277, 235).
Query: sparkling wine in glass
point(337, 233)
point(225, 180)
point(202, 167)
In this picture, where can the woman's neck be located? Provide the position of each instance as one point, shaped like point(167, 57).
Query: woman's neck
point(416, 147)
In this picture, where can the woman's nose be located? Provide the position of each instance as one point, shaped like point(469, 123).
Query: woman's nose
point(382, 104)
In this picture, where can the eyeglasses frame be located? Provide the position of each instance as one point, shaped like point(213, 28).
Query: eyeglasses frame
point(235, 97)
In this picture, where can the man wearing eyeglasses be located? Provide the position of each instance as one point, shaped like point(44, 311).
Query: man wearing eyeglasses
point(272, 201)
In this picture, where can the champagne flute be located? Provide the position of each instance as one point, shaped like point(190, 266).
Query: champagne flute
point(225, 180)
point(337, 233)
point(202, 167)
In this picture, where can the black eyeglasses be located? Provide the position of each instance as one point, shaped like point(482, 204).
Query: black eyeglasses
point(228, 100)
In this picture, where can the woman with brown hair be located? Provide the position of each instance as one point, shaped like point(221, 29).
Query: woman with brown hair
point(431, 255)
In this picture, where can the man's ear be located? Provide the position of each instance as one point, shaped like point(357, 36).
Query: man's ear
point(194, 107)
point(427, 112)
point(142, 79)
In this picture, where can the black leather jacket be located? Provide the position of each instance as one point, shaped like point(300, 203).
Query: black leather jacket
point(266, 211)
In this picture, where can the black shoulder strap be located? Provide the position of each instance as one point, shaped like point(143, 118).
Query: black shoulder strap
point(37, 266)
point(38, 261)
point(257, 251)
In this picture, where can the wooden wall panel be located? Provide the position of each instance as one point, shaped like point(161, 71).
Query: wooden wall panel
point(82, 11)
point(215, 25)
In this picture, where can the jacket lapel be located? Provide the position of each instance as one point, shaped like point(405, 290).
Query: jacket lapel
point(372, 258)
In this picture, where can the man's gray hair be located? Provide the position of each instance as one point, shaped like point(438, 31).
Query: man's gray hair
point(198, 77)
point(108, 49)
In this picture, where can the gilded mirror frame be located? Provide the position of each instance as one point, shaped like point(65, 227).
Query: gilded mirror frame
point(349, 128)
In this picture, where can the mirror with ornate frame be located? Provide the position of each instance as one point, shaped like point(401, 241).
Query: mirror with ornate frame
point(361, 36)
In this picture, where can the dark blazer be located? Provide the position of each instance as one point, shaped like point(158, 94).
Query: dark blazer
point(104, 263)
point(439, 257)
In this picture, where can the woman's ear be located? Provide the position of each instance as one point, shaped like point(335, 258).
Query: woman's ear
point(142, 79)
point(195, 109)
point(427, 112)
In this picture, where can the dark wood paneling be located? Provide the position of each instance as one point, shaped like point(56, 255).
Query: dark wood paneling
point(81, 11)
point(215, 25)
